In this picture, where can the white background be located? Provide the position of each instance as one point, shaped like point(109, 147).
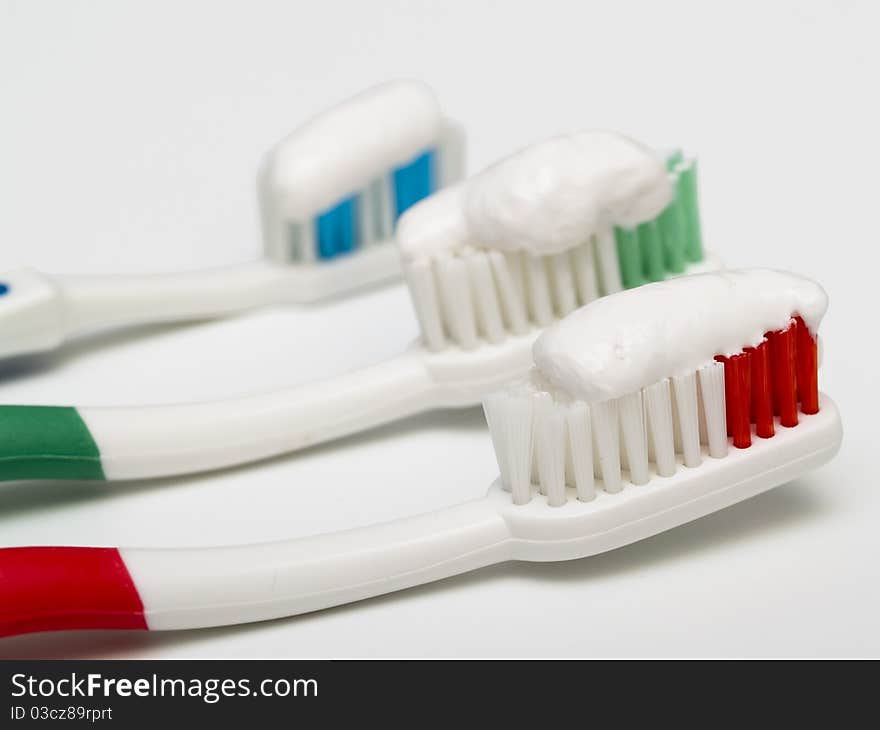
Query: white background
point(129, 139)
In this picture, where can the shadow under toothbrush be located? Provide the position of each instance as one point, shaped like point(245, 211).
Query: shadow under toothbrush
point(18, 498)
point(786, 506)
point(23, 366)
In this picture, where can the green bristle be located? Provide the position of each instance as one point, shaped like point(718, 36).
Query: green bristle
point(629, 256)
point(651, 249)
point(687, 191)
point(665, 245)
point(675, 158)
point(672, 233)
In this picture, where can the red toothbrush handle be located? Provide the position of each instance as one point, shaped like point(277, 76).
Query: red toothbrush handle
point(59, 588)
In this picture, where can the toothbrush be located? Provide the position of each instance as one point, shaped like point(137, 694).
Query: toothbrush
point(330, 195)
point(647, 409)
point(489, 263)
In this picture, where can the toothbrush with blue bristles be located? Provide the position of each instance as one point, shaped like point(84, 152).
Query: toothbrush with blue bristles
point(330, 195)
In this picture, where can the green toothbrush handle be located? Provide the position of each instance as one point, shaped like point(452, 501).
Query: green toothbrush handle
point(46, 442)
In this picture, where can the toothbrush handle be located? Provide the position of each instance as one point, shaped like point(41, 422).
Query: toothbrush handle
point(201, 587)
point(142, 442)
point(58, 588)
point(93, 302)
point(39, 312)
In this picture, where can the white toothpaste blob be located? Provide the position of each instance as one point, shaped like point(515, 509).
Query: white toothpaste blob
point(626, 341)
point(554, 195)
point(348, 146)
point(434, 225)
point(546, 198)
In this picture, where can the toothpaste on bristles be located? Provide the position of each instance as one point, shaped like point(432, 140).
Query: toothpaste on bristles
point(638, 384)
point(534, 236)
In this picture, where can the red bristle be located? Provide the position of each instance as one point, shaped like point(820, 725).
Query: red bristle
point(807, 369)
point(762, 391)
point(783, 374)
point(769, 380)
point(737, 398)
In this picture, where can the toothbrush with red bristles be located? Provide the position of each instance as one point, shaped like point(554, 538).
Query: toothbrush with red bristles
point(645, 410)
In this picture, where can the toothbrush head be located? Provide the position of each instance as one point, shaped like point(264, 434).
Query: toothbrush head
point(336, 185)
point(552, 196)
point(545, 231)
point(675, 386)
point(615, 346)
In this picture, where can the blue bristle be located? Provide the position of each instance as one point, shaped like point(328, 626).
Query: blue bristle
point(325, 230)
point(336, 229)
point(414, 181)
point(348, 234)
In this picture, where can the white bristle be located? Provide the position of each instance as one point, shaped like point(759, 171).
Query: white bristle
point(281, 243)
point(539, 400)
point(538, 290)
point(569, 464)
point(420, 278)
point(366, 219)
point(275, 230)
point(632, 423)
point(550, 445)
point(383, 205)
point(303, 242)
point(685, 389)
point(562, 279)
point(516, 266)
point(488, 310)
point(676, 430)
point(658, 404)
point(606, 432)
point(580, 448)
point(714, 408)
point(496, 418)
point(510, 425)
point(584, 262)
point(609, 267)
point(510, 293)
point(458, 306)
point(701, 416)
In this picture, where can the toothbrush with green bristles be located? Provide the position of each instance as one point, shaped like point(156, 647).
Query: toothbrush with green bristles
point(489, 262)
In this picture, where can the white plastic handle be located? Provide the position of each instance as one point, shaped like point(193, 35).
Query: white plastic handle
point(92, 302)
point(199, 587)
point(40, 312)
point(139, 442)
